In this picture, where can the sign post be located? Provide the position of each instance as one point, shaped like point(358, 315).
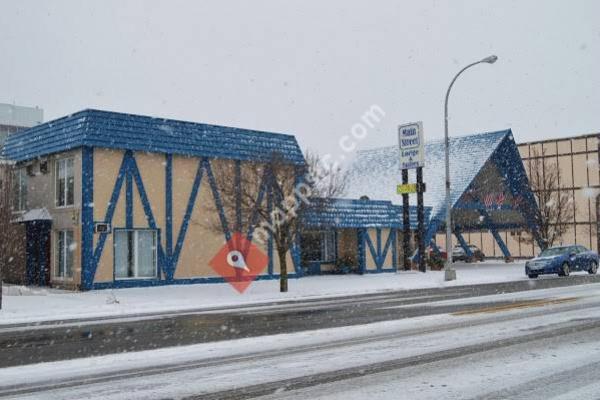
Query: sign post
point(412, 156)
point(405, 224)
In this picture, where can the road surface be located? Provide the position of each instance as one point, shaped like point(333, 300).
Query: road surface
point(26, 344)
point(535, 344)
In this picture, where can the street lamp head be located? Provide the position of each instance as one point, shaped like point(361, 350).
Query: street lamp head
point(490, 59)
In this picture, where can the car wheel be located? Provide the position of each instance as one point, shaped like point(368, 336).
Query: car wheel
point(532, 276)
point(564, 270)
point(593, 269)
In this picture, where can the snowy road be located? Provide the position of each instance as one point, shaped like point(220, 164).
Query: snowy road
point(535, 344)
point(59, 340)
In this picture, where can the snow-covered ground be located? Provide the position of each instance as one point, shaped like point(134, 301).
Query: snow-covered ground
point(23, 305)
point(212, 367)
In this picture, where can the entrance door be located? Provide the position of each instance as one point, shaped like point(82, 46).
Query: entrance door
point(38, 252)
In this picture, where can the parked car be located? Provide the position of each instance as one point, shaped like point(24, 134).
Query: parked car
point(562, 260)
point(431, 253)
point(459, 254)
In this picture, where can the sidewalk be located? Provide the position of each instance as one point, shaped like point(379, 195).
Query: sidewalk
point(30, 305)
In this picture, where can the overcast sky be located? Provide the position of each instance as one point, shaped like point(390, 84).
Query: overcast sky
point(311, 68)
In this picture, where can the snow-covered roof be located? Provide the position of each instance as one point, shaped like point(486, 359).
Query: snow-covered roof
point(97, 128)
point(376, 172)
point(36, 214)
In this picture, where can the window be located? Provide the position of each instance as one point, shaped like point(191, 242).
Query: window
point(64, 254)
point(328, 246)
point(65, 183)
point(19, 189)
point(43, 167)
point(135, 253)
point(318, 246)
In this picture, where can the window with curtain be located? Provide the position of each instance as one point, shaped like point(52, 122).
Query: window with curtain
point(64, 248)
point(135, 253)
point(65, 182)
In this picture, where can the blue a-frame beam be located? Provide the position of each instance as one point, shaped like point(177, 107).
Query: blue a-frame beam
point(490, 225)
point(463, 242)
point(507, 159)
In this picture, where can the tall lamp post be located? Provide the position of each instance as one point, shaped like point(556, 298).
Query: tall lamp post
point(449, 273)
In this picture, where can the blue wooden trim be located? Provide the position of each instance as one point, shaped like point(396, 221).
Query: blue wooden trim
point(129, 198)
point(87, 218)
point(133, 169)
point(463, 242)
point(133, 283)
point(378, 271)
point(378, 238)
point(186, 220)
point(114, 198)
point(169, 209)
point(395, 249)
point(362, 262)
point(372, 249)
point(217, 198)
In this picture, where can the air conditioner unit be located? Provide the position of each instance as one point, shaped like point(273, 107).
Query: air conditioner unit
point(102, 227)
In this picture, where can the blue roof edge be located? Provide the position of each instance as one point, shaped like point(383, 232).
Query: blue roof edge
point(81, 135)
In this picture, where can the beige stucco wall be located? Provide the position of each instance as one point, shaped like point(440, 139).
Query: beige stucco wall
point(201, 243)
point(41, 194)
point(106, 168)
point(348, 245)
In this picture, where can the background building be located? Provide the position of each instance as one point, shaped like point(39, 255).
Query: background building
point(576, 159)
point(12, 236)
point(15, 118)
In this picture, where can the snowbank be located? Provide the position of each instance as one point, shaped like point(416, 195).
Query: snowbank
point(24, 305)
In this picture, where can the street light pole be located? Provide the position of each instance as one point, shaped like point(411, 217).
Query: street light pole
point(449, 273)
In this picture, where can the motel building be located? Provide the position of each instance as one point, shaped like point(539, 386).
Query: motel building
point(108, 200)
